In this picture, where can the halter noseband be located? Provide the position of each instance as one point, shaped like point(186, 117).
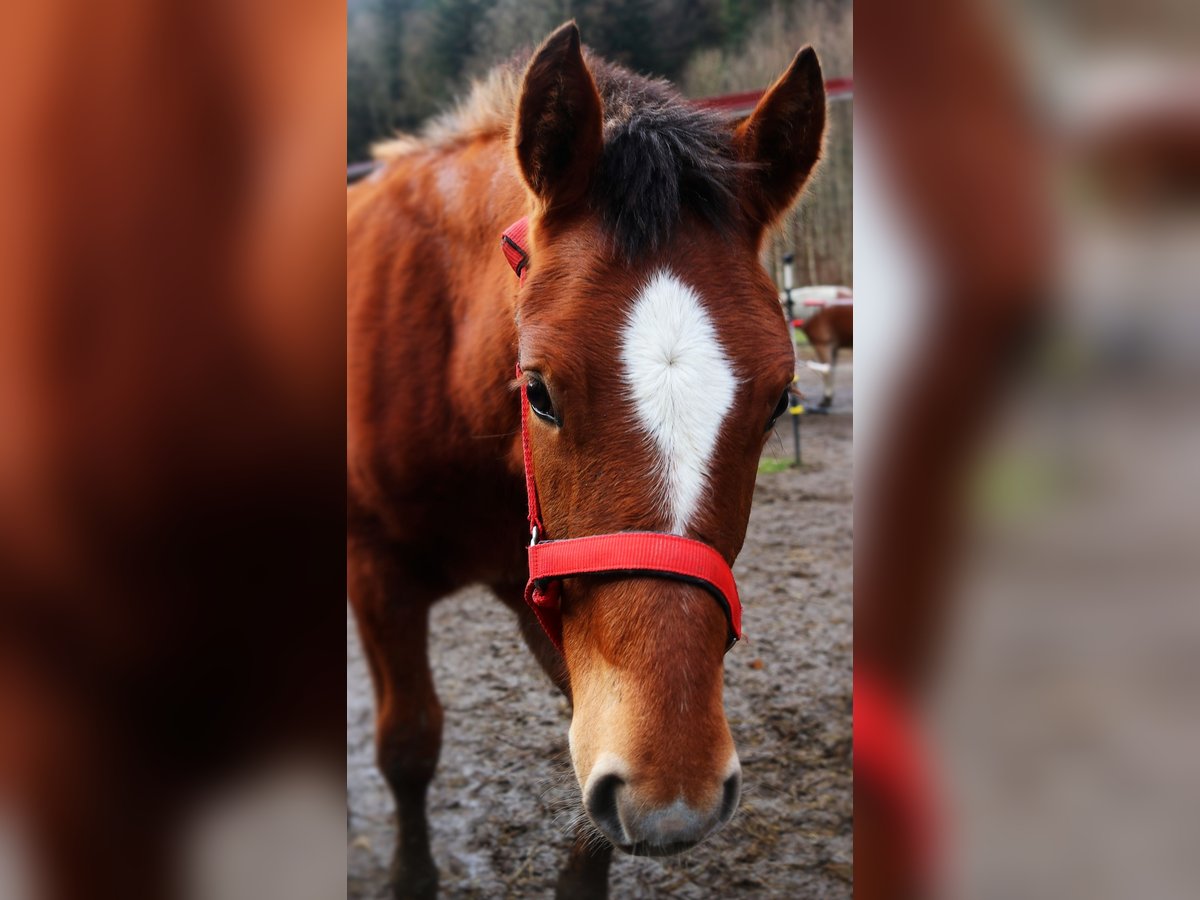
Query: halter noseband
point(628, 553)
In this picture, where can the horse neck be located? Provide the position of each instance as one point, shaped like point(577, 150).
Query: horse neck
point(478, 193)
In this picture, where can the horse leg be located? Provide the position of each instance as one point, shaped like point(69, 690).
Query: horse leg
point(392, 611)
point(93, 822)
point(827, 401)
point(824, 365)
point(585, 876)
point(548, 657)
point(99, 854)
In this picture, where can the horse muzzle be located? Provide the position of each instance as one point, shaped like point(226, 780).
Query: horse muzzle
point(625, 814)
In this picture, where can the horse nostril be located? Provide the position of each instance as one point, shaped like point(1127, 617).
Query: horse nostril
point(601, 803)
point(729, 799)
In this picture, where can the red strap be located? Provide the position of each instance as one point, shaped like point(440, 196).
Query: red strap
point(890, 755)
point(626, 552)
point(535, 511)
point(515, 245)
point(630, 553)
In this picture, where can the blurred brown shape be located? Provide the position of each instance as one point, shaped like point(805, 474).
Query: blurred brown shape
point(966, 160)
point(171, 429)
point(1046, 163)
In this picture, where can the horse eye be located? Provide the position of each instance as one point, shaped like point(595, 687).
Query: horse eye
point(780, 408)
point(539, 401)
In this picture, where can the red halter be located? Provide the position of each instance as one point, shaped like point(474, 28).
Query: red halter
point(632, 553)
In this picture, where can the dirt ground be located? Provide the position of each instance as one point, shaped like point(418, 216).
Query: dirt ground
point(504, 791)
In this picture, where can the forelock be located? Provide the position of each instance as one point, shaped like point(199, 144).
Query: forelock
point(662, 157)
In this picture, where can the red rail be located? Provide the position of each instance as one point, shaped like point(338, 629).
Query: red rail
point(744, 101)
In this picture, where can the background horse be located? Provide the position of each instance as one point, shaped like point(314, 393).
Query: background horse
point(651, 395)
point(829, 329)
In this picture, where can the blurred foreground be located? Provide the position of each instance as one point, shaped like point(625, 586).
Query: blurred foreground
point(171, 450)
point(1027, 575)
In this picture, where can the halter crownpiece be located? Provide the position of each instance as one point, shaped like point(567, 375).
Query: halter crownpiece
point(628, 553)
point(514, 243)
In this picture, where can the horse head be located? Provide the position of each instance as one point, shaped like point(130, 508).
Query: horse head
point(655, 359)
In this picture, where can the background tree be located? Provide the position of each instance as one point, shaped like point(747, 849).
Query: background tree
point(407, 59)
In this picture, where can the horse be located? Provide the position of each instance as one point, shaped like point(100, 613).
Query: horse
point(651, 360)
point(829, 329)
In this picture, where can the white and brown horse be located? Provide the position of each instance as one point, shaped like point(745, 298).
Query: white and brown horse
point(654, 359)
point(829, 329)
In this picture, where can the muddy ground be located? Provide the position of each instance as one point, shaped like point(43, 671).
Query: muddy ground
point(504, 794)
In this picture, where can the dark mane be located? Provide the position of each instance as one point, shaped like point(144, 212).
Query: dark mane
point(662, 156)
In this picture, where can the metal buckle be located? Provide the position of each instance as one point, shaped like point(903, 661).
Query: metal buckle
point(533, 536)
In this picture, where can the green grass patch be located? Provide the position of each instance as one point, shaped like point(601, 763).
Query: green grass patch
point(775, 465)
point(1015, 486)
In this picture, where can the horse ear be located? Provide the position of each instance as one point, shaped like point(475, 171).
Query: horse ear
point(560, 121)
point(782, 138)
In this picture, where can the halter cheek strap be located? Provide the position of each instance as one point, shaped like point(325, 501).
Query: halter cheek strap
point(624, 553)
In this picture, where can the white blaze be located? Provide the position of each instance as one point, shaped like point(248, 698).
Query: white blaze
point(681, 385)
